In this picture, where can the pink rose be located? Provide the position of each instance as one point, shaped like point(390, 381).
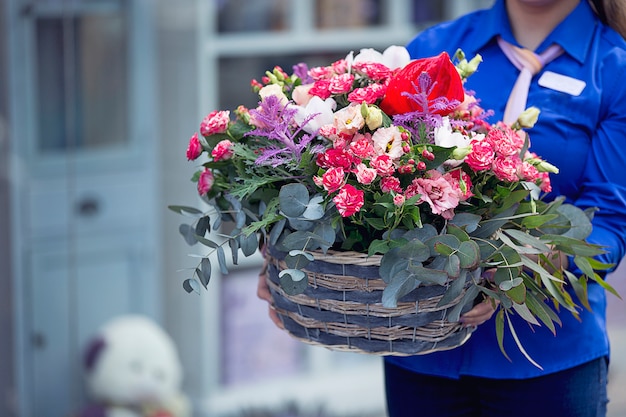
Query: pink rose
point(216, 122)
point(383, 164)
point(528, 172)
point(362, 147)
point(321, 73)
point(333, 179)
point(194, 149)
point(365, 175)
point(545, 184)
point(506, 168)
point(389, 184)
point(505, 140)
point(340, 66)
point(349, 200)
point(341, 84)
point(398, 200)
point(320, 88)
point(369, 94)
point(337, 157)
point(481, 156)
point(374, 70)
point(205, 181)
point(222, 151)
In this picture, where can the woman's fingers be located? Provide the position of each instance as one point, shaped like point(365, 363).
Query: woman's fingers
point(479, 314)
point(263, 292)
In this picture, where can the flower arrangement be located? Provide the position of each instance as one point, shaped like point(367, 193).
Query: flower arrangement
point(383, 155)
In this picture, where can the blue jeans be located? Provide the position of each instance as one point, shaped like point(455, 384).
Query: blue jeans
point(576, 392)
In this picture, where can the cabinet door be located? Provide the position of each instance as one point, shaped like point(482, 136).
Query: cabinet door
point(73, 292)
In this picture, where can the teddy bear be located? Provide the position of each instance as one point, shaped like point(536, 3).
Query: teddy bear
point(132, 369)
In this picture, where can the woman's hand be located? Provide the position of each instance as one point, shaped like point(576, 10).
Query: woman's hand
point(479, 314)
point(263, 292)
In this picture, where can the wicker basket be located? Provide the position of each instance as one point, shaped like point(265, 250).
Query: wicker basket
point(341, 309)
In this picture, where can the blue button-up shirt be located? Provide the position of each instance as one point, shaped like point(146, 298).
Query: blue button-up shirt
point(585, 137)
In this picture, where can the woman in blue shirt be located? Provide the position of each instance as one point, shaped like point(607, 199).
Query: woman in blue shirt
point(581, 130)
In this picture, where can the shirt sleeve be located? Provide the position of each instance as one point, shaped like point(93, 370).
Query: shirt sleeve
point(604, 179)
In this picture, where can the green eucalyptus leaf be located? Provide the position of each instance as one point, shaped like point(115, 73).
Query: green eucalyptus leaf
point(221, 259)
point(314, 209)
point(469, 254)
point(191, 285)
point(378, 246)
point(528, 243)
point(185, 210)
point(500, 333)
point(458, 232)
point(541, 311)
point(391, 264)
point(400, 285)
point(293, 281)
point(467, 221)
point(422, 234)
point(303, 241)
point(301, 224)
point(580, 288)
point(519, 343)
point(433, 276)
point(249, 244)
point(454, 290)
point(414, 251)
point(294, 199)
point(488, 227)
point(453, 266)
point(454, 314)
point(327, 234)
point(203, 226)
point(277, 230)
point(517, 293)
point(537, 220)
point(511, 283)
point(443, 244)
point(205, 272)
point(206, 242)
point(297, 259)
point(189, 234)
point(233, 242)
point(525, 313)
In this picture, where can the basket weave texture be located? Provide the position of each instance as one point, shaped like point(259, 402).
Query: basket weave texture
point(341, 309)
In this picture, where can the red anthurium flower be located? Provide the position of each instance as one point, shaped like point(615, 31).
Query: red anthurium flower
point(446, 83)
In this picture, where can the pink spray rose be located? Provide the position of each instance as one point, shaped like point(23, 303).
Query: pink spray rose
point(349, 200)
point(222, 151)
point(216, 122)
point(481, 156)
point(194, 149)
point(205, 181)
point(506, 168)
point(383, 165)
point(365, 175)
point(388, 184)
point(333, 179)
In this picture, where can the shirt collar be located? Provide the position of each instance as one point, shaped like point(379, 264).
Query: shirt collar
point(568, 34)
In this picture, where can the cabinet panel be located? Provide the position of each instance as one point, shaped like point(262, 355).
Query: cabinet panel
point(74, 291)
point(88, 205)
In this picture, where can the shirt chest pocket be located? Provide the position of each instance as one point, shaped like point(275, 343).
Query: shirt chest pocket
point(579, 112)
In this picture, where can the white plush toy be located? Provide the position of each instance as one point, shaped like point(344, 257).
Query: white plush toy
point(133, 370)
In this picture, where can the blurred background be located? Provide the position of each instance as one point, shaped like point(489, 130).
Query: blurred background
point(98, 99)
